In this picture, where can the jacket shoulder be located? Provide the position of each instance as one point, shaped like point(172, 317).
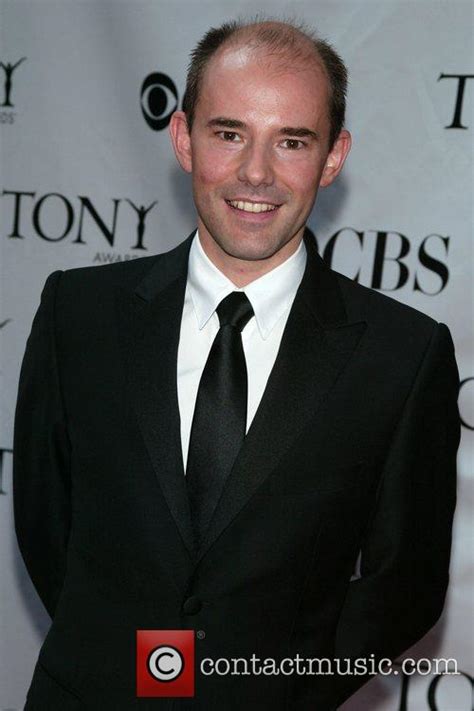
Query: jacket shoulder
point(104, 278)
point(106, 275)
point(378, 308)
point(398, 337)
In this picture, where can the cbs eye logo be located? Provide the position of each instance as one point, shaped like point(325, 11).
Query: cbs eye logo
point(158, 99)
point(165, 663)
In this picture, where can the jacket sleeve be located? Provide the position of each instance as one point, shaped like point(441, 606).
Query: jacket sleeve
point(406, 549)
point(41, 457)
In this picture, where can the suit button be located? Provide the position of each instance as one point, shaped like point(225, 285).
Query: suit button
point(192, 605)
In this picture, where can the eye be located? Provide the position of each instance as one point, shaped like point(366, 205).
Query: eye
point(293, 144)
point(229, 136)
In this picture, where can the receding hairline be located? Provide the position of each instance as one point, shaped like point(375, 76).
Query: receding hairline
point(284, 45)
point(274, 39)
point(294, 53)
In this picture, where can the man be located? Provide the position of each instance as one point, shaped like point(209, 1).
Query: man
point(211, 438)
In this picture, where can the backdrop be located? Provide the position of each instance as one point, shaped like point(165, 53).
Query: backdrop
point(88, 177)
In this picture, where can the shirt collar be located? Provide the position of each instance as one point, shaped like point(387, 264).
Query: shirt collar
point(270, 295)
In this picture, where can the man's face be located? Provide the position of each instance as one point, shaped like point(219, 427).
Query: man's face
point(258, 151)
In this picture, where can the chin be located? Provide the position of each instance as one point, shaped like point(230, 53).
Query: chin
point(250, 253)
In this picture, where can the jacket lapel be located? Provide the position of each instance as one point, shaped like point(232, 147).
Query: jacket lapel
point(317, 343)
point(149, 320)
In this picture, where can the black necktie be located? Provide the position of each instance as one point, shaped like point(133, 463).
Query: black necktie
point(219, 420)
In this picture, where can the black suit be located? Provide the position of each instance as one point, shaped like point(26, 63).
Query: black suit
point(353, 448)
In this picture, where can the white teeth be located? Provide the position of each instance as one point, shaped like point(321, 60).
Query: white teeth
point(252, 206)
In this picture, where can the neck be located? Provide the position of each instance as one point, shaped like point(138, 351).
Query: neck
point(242, 272)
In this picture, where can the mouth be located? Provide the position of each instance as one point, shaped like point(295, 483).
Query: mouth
point(252, 207)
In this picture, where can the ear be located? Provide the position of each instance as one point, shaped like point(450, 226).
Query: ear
point(181, 140)
point(336, 158)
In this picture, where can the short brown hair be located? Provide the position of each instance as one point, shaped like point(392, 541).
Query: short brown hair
point(277, 36)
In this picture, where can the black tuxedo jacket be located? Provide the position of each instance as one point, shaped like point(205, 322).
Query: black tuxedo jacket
point(352, 449)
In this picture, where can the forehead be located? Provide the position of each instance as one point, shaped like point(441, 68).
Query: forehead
point(246, 81)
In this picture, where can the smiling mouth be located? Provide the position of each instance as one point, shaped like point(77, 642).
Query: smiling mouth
point(252, 206)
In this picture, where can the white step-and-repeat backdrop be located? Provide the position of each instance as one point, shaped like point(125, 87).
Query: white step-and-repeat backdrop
point(88, 177)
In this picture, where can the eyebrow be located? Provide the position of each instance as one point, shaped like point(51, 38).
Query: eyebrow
point(298, 132)
point(223, 122)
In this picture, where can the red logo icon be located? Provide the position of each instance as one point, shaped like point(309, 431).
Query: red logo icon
point(165, 662)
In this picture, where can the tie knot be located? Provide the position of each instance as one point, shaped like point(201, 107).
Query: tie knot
point(235, 310)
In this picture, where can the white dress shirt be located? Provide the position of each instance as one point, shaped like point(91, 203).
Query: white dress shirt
point(271, 296)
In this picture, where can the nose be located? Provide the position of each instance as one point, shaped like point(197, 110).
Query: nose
point(256, 165)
